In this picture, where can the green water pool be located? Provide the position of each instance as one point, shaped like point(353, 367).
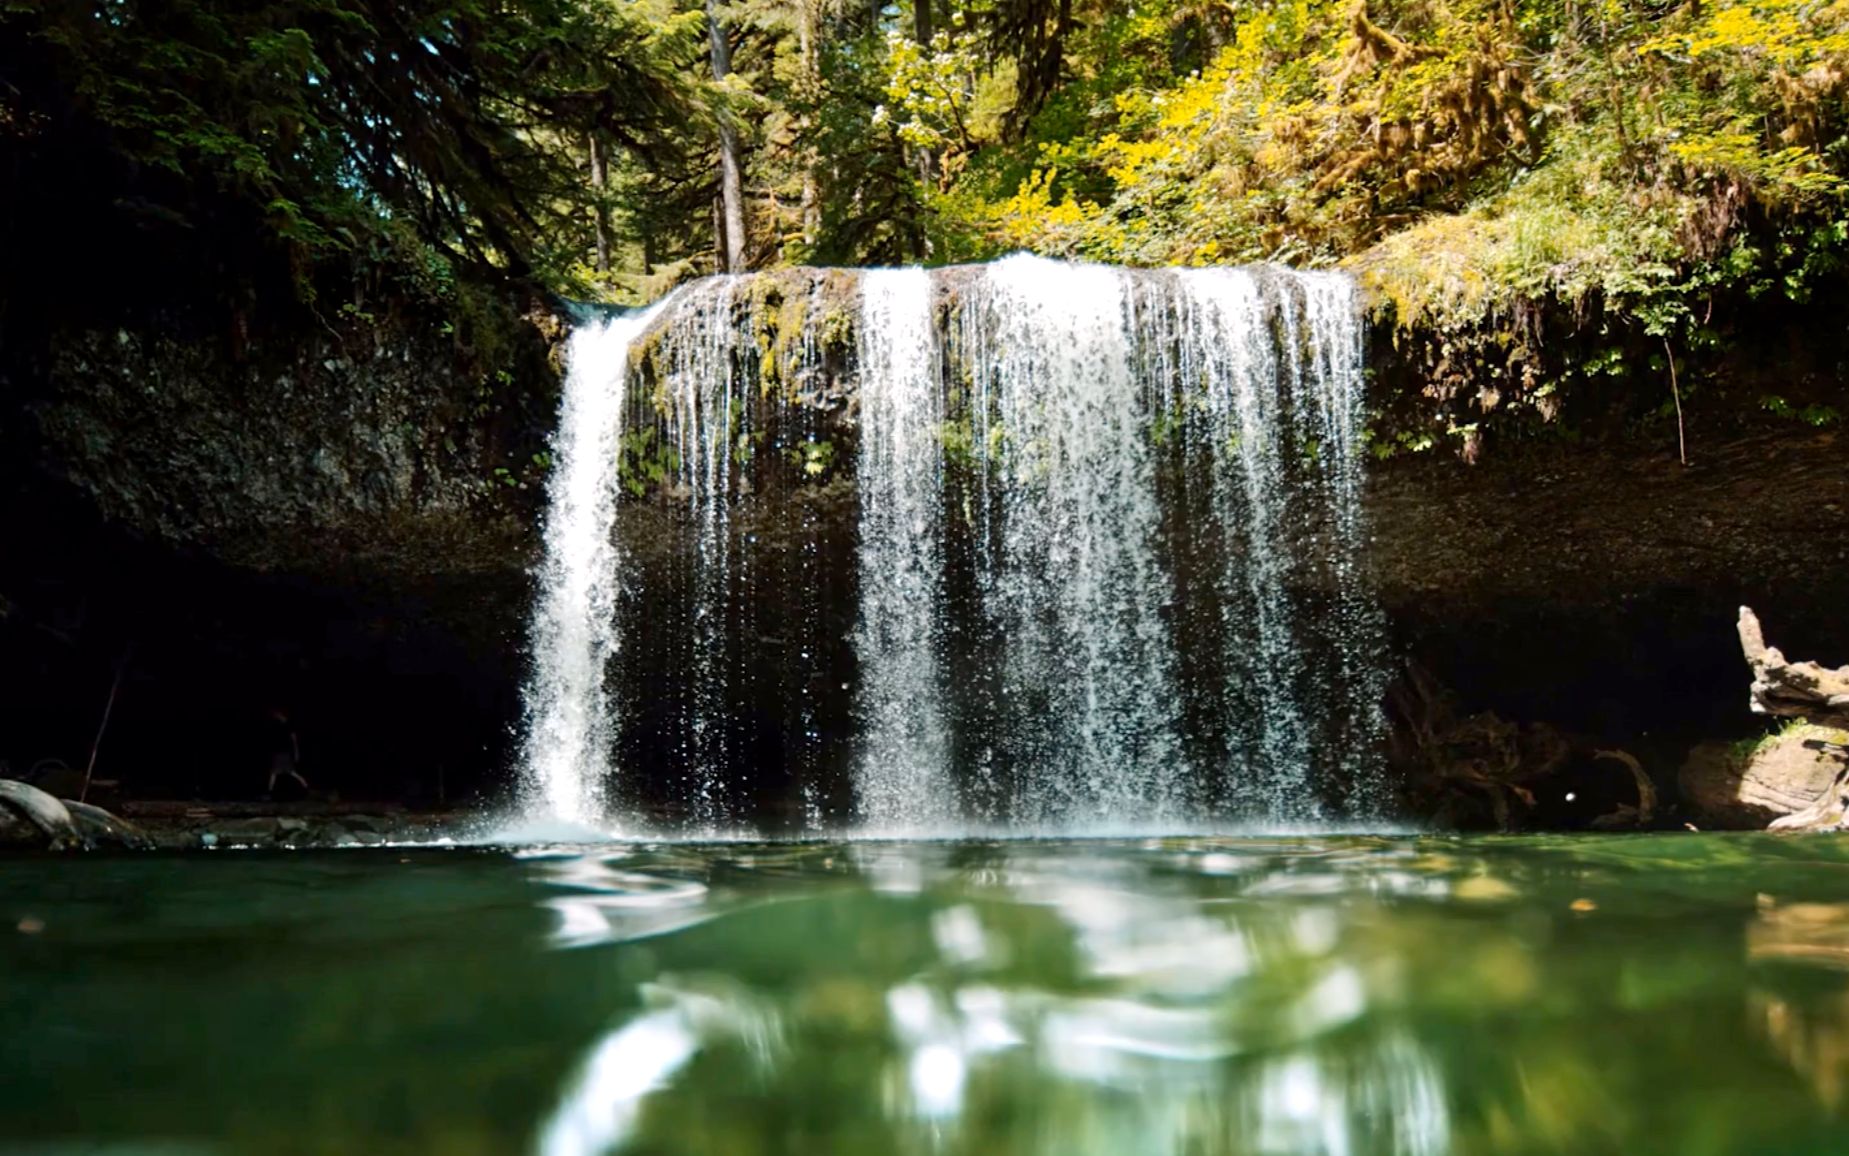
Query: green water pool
point(1675, 993)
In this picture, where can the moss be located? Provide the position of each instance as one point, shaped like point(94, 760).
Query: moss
point(1744, 750)
point(645, 458)
point(958, 438)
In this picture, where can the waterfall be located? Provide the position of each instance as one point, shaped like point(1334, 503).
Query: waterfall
point(1336, 387)
point(1227, 342)
point(572, 635)
point(1068, 557)
point(706, 420)
point(903, 778)
point(1269, 366)
point(1025, 543)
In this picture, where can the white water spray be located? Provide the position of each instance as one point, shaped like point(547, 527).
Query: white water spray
point(902, 775)
point(1070, 569)
point(567, 744)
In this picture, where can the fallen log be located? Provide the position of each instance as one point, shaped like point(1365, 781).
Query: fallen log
point(1806, 690)
point(1809, 691)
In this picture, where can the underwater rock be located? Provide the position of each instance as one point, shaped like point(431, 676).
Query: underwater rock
point(260, 831)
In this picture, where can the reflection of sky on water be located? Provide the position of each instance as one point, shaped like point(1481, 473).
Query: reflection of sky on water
point(1036, 998)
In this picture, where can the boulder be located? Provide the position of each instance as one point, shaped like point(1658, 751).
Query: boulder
point(19, 833)
point(1785, 774)
point(35, 819)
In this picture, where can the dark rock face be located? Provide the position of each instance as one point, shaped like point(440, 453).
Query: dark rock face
point(1596, 585)
point(372, 450)
point(335, 523)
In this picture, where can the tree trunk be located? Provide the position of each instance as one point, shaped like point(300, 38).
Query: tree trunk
point(922, 31)
point(731, 241)
point(600, 207)
point(809, 37)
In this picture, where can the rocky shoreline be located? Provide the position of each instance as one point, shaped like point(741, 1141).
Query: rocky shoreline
point(31, 820)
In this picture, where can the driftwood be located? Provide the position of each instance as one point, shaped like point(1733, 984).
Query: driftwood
point(1455, 762)
point(1804, 690)
point(1626, 815)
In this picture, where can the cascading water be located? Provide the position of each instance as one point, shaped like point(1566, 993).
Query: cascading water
point(1105, 564)
point(1069, 565)
point(698, 348)
point(573, 630)
point(903, 774)
point(1268, 366)
point(1336, 385)
point(1227, 345)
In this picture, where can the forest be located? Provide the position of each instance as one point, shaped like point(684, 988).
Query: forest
point(1653, 164)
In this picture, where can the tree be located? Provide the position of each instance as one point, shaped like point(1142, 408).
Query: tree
point(731, 203)
point(442, 136)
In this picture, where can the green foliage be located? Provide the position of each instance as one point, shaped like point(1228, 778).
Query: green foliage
point(815, 457)
point(432, 137)
point(646, 459)
point(1813, 415)
point(1485, 167)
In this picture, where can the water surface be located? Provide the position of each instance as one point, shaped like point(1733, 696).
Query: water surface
point(1685, 994)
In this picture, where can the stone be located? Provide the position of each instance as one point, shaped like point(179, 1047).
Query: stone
point(41, 812)
point(246, 831)
point(17, 833)
point(1785, 774)
point(99, 828)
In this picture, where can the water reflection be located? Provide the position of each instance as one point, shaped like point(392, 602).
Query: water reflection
point(599, 1109)
point(1197, 997)
point(1800, 1001)
point(600, 902)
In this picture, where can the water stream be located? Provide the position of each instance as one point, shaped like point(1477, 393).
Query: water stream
point(903, 761)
